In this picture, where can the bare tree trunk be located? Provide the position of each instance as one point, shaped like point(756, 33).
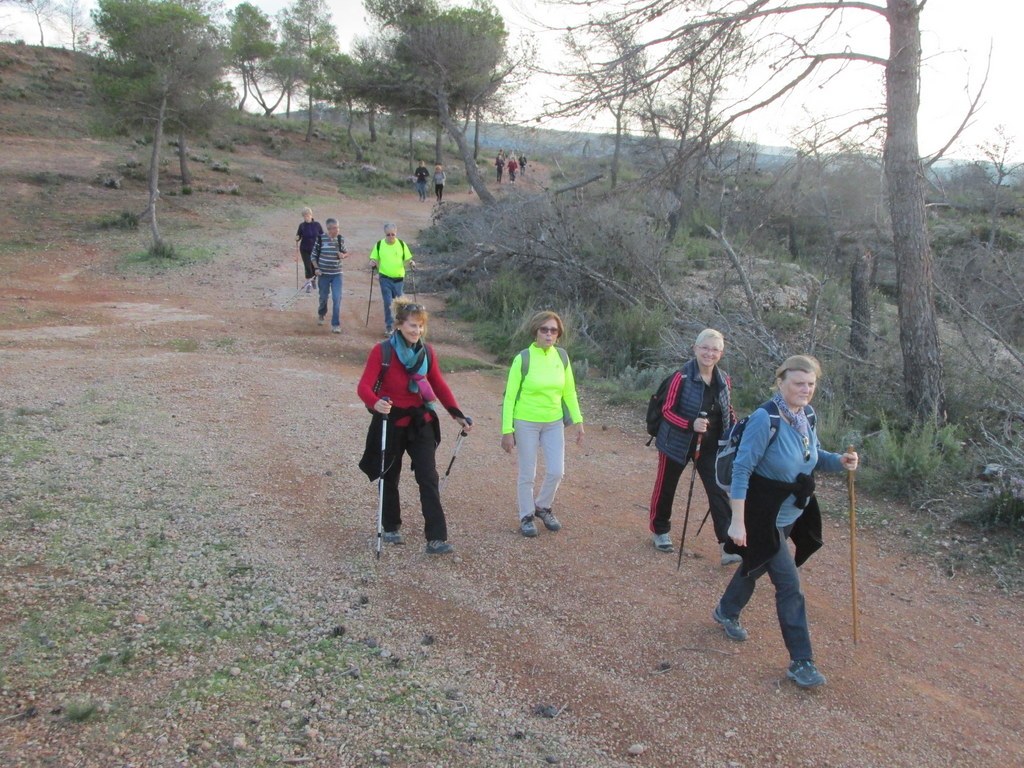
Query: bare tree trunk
point(186, 172)
point(618, 145)
point(351, 136)
point(472, 173)
point(245, 91)
point(861, 269)
point(309, 115)
point(154, 173)
point(412, 148)
point(439, 139)
point(919, 338)
point(371, 121)
point(476, 134)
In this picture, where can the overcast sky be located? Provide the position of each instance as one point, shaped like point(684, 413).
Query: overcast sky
point(956, 36)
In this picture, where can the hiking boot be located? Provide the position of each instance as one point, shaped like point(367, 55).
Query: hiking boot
point(548, 518)
point(663, 543)
point(527, 527)
point(393, 537)
point(438, 547)
point(320, 320)
point(336, 329)
point(729, 558)
point(805, 674)
point(732, 627)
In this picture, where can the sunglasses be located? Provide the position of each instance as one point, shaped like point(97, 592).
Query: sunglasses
point(546, 329)
point(390, 234)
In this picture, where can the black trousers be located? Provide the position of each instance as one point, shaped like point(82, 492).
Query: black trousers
point(307, 262)
point(667, 481)
point(419, 444)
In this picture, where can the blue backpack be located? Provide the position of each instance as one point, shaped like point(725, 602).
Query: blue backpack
point(730, 442)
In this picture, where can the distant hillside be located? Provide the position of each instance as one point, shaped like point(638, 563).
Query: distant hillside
point(44, 91)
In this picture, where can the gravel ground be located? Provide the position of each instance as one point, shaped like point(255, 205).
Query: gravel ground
point(188, 575)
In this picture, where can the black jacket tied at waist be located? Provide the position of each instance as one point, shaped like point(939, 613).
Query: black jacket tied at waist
point(370, 461)
point(761, 511)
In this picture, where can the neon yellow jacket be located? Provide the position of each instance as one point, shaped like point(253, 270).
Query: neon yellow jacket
point(547, 385)
point(391, 258)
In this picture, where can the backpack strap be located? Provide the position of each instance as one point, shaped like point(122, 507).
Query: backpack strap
point(774, 419)
point(385, 361)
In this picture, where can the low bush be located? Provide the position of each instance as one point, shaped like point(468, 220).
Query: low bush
point(912, 462)
point(124, 220)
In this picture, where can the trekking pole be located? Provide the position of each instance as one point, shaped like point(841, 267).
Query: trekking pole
point(689, 496)
point(853, 545)
point(380, 481)
point(458, 444)
point(369, 299)
point(287, 303)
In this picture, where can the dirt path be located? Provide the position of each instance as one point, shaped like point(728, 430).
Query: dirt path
point(591, 621)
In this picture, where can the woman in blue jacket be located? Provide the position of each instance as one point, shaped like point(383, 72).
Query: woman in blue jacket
point(772, 499)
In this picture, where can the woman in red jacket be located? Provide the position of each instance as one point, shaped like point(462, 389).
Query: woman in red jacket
point(405, 383)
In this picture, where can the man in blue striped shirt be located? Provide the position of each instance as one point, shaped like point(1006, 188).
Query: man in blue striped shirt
point(328, 251)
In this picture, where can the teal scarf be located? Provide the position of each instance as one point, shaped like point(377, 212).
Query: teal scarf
point(417, 363)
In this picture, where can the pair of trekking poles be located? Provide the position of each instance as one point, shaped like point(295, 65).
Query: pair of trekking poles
point(383, 468)
point(369, 298)
point(851, 490)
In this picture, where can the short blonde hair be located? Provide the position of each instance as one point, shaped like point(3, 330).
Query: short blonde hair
point(307, 210)
point(804, 363)
point(542, 317)
point(709, 333)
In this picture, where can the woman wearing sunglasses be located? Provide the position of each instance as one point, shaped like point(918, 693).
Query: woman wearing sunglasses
point(540, 399)
point(772, 499)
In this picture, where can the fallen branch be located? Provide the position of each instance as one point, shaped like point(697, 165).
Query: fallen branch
point(578, 184)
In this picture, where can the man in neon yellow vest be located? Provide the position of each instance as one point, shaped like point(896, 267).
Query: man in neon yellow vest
point(389, 257)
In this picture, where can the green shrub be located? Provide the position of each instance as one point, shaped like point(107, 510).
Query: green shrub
point(910, 462)
point(123, 220)
point(1004, 506)
point(162, 250)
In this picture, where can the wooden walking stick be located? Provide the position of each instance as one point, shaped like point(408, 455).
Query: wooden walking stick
point(853, 544)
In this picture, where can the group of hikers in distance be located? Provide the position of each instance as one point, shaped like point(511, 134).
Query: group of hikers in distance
point(510, 162)
point(769, 500)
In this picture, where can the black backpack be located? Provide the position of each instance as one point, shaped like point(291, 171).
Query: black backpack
point(730, 442)
point(657, 403)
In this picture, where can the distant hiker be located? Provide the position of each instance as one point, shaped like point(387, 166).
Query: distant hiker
point(499, 165)
point(327, 254)
point(389, 256)
point(513, 166)
point(439, 180)
point(540, 400)
point(522, 165)
point(410, 390)
point(308, 233)
point(422, 174)
point(700, 386)
point(772, 497)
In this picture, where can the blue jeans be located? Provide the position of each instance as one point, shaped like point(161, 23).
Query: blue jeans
point(330, 284)
point(390, 289)
point(789, 599)
point(421, 189)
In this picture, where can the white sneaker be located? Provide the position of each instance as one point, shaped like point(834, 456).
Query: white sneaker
point(663, 543)
point(728, 558)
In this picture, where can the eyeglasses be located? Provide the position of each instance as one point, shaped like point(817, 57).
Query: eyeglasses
point(710, 350)
point(390, 234)
point(546, 329)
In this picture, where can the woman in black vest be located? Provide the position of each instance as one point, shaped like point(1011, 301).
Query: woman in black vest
point(699, 387)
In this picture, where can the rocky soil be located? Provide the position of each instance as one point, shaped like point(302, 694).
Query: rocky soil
point(188, 579)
